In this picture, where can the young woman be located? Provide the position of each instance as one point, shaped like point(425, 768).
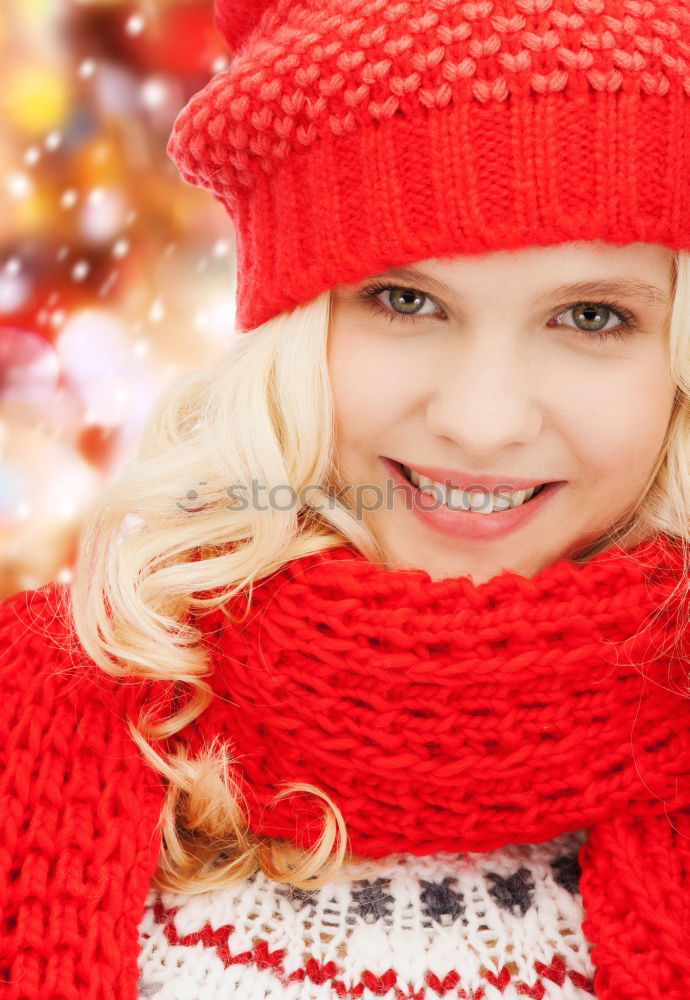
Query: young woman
point(373, 676)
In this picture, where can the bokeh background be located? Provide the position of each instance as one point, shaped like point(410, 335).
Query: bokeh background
point(115, 276)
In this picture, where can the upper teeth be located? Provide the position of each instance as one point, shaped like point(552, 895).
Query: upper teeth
point(479, 501)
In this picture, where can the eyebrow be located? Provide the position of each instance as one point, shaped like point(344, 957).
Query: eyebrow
point(615, 285)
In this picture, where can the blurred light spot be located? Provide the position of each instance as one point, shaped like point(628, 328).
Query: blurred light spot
point(91, 343)
point(103, 213)
point(219, 320)
point(14, 291)
point(135, 24)
point(67, 509)
point(69, 198)
point(157, 311)
point(68, 484)
point(93, 349)
point(80, 270)
point(116, 91)
point(121, 248)
point(19, 185)
point(154, 93)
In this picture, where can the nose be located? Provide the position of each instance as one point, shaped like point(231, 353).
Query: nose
point(486, 397)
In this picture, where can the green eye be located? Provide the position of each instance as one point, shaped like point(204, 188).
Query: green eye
point(593, 316)
point(406, 300)
point(593, 320)
point(403, 303)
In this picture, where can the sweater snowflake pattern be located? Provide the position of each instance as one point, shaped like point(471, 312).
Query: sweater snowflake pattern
point(498, 926)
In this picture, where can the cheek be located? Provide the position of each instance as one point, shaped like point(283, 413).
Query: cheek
point(372, 387)
point(622, 429)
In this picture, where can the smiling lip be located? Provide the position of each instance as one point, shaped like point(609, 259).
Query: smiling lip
point(463, 480)
point(467, 525)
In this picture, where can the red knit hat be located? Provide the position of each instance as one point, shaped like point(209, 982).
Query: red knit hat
point(350, 136)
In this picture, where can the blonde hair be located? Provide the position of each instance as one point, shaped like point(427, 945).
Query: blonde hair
point(152, 551)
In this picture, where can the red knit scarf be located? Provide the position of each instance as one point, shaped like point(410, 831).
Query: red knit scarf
point(449, 716)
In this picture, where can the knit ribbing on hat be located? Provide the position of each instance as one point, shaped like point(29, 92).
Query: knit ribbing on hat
point(354, 135)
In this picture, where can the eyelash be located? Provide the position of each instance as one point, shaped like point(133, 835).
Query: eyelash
point(629, 322)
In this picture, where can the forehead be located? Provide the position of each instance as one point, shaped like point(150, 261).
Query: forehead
point(641, 270)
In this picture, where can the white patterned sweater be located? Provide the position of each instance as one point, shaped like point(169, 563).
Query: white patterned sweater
point(497, 926)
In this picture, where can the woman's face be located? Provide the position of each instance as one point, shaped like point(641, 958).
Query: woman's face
point(485, 372)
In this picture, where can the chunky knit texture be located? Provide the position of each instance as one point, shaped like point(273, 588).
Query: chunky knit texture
point(441, 716)
point(350, 136)
point(417, 683)
point(506, 925)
